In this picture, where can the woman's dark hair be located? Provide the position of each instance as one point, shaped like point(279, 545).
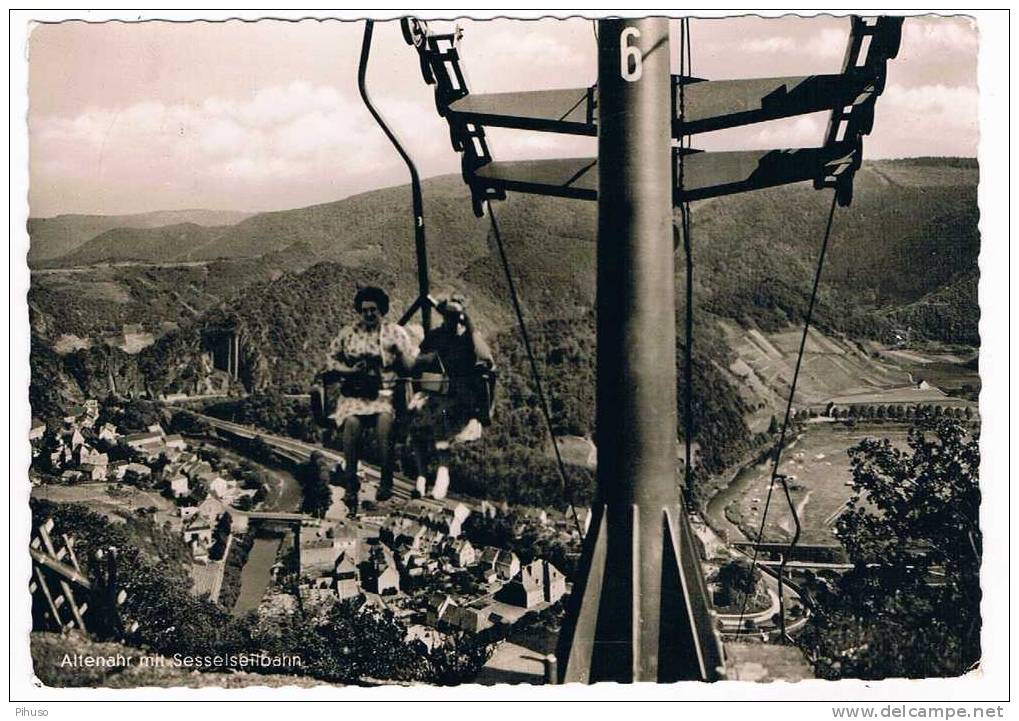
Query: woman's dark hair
point(376, 295)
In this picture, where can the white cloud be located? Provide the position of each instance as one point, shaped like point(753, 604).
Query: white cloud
point(279, 131)
point(768, 45)
point(823, 44)
point(958, 34)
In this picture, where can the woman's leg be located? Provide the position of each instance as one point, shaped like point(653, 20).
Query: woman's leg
point(441, 487)
point(421, 447)
point(351, 443)
point(384, 427)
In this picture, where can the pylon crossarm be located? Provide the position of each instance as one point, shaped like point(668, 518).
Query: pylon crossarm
point(709, 105)
point(706, 174)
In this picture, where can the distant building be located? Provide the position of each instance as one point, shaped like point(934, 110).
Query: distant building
point(136, 472)
point(179, 486)
point(461, 553)
point(72, 476)
point(211, 509)
point(348, 584)
point(73, 438)
point(109, 433)
point(148, 444)
point(507, 565)
point(537, 582)
point(176, 441)
point(400, 531)
point(86, 454)
point(537, 515)
point(383, 577)
point(92, 472)
point(473, 618)
point(318, 555)
point(198, 535)
point(438, 607)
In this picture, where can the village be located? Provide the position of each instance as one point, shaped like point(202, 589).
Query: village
point(409, 555)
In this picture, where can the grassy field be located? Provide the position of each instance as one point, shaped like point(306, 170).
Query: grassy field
point(820, 464)
point(114, 500)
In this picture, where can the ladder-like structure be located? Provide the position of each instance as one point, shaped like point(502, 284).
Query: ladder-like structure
point(708, 105)
point(64, 599)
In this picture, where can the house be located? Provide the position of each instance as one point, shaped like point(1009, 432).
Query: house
point(71, 476)
point(431, 539)
point(195, 469)
point(148, 444)
point(156, 428)
point(214, 484)
point(86, 454)
point(347, 541)
point(179, 486)
point(399, 531)
point(487, 510)
point(93, 472)
point(537, 582)
point(537, 515)
point(37, 431)
point(134, 472)
point(176, 441)
point(461, 553)
point(489, 555)
point(318, 555)
point(348, 584)
point(438, 608)
point(109, 433)
point(473, 618)
point(198, 534)
point(211, 509)
point(507, 565)
point(73, 438)
point(383, 576)
point(198, 537)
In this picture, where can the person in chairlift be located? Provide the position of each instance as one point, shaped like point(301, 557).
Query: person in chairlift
point(366, 357)
point(453, 393)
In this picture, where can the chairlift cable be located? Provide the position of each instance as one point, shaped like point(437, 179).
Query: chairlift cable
point(535, 373)
point(780, 445)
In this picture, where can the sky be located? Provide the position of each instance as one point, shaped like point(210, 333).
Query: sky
point(255, 116)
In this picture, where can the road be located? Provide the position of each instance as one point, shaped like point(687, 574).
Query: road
point(299, 452)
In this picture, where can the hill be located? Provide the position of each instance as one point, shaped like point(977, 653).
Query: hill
point(908, 244)
point(53, 237)
point(164, 244)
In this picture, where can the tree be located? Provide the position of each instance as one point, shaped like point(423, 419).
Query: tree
point(314, 478)
point(736, 582)
point(220, 534)
point(911, 605)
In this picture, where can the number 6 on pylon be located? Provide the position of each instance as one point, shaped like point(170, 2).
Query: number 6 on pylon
point(628, 52)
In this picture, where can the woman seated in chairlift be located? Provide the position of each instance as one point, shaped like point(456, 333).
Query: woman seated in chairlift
point(366, 357)
point(453, 395)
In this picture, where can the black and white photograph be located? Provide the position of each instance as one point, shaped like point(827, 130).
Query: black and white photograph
point(462, 355)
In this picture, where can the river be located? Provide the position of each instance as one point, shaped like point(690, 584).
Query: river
point(257, 572)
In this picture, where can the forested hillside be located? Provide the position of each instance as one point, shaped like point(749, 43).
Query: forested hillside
point(904, 254)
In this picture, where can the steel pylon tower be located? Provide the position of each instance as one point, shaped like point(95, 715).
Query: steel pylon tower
point(638, 609)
